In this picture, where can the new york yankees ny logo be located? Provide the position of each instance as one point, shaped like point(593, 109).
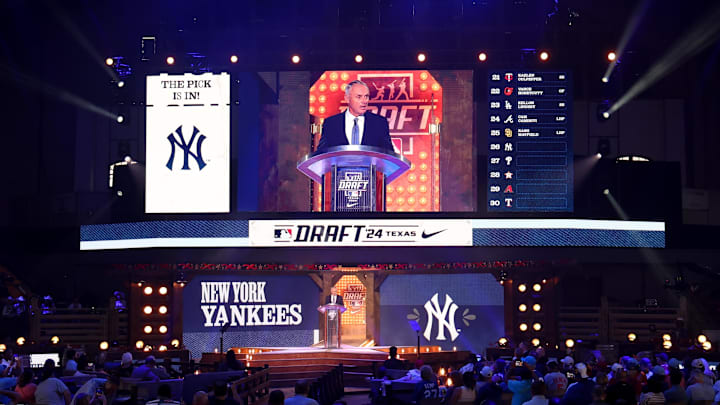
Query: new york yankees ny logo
point(186, 146)
point(445, 317)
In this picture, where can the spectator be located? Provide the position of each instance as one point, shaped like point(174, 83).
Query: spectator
point(220, 395)
point(26, 388)
point(393, 362)
point(655, 386)
point(200, 398)
point(491, 393)
point(538, 391)
point(519, 384)
point(51, 391)
point(302, 389)
point(465, 394)
point(231, 362)
point(164, 396)
point(149, 371)
point(470, 365)
point(676, 393)
point(456, 378)
point(700, 390)
point(70, 366)
point(428, 387)
point(579, 392)
point(126, 365)
point(276, 398)
point(484, 377)
point(598, 395)
point(619, 391)
point(556, 381)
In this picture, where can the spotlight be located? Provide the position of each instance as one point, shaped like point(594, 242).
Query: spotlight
point(104, 345)
point(569, 343)
point(358, 58)
point(147, 329)
point(162, 309)
point(147, 310)
point(707, 346)
point(421, 57)
point(544, 56)
point(128, 159)
point(162, 329)
point(537, 326)
point(523, 327)
point(147, 348)
point(120, 119)
point(522, 307)
point(598, 155)
point(537, 287)
point(537, 307)
point(121, 84)
point(162, 290)
point(54, 340)
point(147, 290)
point(233, 59)
point(606, 191)
point(522, 288)
point(295, 59)
point(535, 342)
point(482, 56)
point(162, 348)
point(449, 382)
point(611, 56)
point(119, 193)
point(702, 338)
point(139, 344)
point(605, 79)
point(631, 337)
point(20, 341)
point(667, 345)
point(606, 114)
point(666, 337)
point(109, 61)
point(170, 60)
point(502, 341)
point(175, 343)
point(2, 347)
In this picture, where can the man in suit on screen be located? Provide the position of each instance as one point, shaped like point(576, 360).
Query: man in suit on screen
point(356, 126)
point(334, 298)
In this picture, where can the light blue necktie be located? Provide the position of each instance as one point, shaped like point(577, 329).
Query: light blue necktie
point(355, 133)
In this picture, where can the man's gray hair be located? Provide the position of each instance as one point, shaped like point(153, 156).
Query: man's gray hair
point(352, 83)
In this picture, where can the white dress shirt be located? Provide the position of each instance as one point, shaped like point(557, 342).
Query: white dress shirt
point(349, 122)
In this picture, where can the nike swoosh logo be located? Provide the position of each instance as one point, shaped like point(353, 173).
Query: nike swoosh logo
point(428, 235)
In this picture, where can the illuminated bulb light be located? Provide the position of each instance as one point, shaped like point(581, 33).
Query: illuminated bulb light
point(421, 57)
point(522, 308)
point(175, 343)
point(104, 345)
point(3, 347)
point(702, 338)
point(611, 56)
point(120, 119)
point(523, 327)
point(358, 58)
point(449, 382)
point(502, 341)
point(535, 342)
point(109, 61)
point(147, 348)
point(544, 56)
point(606, 115)
point(667, 345)
point(427, 349)
point(163, 309)
point(170, 60)
point(522, 288)
point(442, 370)
point(537, 326)
point(605, 79)
point(482, 56)
point(163, 290)
point(666, 337)
point(707, 346)
point(139, 344)
point(295, 59)
point(147, 310)
point(163, 329)
point(631, 337)
point(537, 307)
point(20, 341)
point(147, 329)
point(537, 287)
point(147, 290)
point(423, 76)
point(570, 343)
point(54, 340)
point(233, 59)
point(454, 348)
point(162, 348)
point(121, 84)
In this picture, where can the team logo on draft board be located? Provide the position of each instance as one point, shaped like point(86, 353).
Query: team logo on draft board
point(508, 77)
point(508, 91)
point(443, 316)
point(177, 139)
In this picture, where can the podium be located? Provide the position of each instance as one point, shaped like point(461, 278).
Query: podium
point(353, 177)
point(332, 324)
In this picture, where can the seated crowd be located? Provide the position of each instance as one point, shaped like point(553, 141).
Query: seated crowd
point(531, 378)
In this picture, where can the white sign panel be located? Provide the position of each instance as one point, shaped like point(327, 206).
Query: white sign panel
point(356, 232)
point(187, 143)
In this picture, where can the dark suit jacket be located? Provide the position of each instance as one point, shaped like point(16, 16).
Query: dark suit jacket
point(339, 300)
point(376, 132)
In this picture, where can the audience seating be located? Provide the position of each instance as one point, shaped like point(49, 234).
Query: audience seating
point(328, 388)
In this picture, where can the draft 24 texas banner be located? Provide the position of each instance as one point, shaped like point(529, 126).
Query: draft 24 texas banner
point(187, 143)
point(266, 311)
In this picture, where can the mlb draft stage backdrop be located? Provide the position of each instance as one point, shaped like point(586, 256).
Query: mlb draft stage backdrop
point(187, 143)
point(453, 310)
point(412, 103)
point(265, 311)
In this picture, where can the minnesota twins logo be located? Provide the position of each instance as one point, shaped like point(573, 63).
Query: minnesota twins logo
point(178, 140)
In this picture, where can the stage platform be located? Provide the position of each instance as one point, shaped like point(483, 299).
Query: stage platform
point(289, 364)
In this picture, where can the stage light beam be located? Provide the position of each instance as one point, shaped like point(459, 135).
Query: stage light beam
point(630, 29)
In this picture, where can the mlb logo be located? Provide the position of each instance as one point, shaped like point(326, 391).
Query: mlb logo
point(283, 233)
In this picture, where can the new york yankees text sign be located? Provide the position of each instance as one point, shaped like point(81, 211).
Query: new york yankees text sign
point(187, 143)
